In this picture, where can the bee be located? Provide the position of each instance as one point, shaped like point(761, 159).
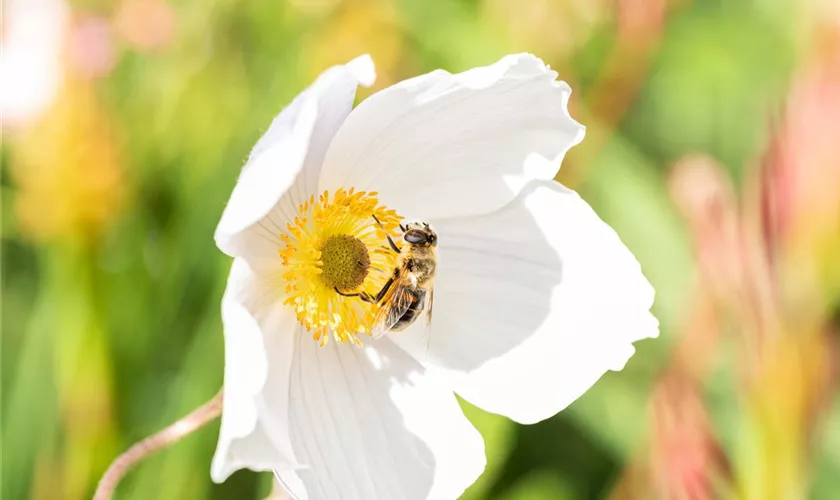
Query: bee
point(409, 292)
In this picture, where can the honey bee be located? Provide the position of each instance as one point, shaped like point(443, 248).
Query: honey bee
point(409, 292)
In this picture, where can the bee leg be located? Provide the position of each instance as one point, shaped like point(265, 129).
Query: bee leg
point(385, 289)
point(362, 295)
point(394, 246)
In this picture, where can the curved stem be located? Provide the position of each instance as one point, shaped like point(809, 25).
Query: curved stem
point(200, 417)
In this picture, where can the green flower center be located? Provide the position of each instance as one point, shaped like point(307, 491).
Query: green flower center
point(345, 262)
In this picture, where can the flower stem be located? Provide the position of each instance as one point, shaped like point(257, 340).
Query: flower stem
point(200, 417)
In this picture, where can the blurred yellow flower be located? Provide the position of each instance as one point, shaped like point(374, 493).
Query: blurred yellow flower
point(369, 26)
point(67, 169)
point(783, 401)
point(560, 27)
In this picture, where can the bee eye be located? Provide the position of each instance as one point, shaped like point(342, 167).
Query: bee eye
point(415, 237)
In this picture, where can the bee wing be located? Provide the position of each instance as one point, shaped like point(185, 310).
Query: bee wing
point(430, 301)
point(395, 303)
point(427, 306)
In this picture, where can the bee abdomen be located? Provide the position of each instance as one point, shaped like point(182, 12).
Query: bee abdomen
point(414, 309)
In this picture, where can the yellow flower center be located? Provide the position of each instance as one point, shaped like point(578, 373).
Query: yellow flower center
point(336, 243)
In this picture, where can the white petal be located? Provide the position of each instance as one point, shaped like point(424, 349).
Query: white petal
point(258, 355)
point(469, 141)
point(533, 304)
point(295, 143)
point(370, 424)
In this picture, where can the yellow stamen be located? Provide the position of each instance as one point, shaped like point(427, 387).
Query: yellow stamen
point(336, 243)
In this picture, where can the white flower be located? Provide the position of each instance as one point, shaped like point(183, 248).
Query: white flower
point(33, 35)
point(535, 297)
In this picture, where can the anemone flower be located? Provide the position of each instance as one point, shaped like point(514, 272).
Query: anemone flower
point(534, 296)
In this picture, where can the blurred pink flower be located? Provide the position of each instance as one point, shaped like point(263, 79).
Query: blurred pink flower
point(805, 159)
point(90, 49)
point(145, 25)
point(686, 461)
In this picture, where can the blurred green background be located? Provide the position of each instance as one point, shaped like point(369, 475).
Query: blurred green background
point(711, 148)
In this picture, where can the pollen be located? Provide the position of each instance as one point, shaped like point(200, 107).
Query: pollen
point(335, 243)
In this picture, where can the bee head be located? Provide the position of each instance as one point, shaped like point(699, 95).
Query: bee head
point(419, 233)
